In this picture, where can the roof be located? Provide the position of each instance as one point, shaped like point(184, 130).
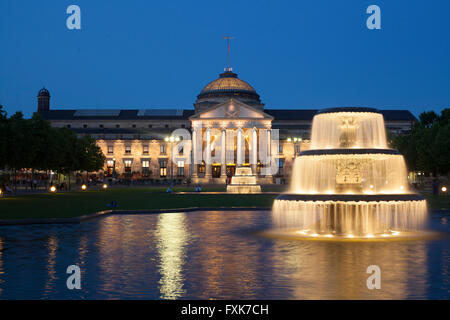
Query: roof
point(291, 114)
point(43, 92)
point(308, 114)
point(118, 114)
point(228, 81)
point(184, 114)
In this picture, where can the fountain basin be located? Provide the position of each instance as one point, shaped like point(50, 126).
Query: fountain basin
point(356, 215)
point(351, 197)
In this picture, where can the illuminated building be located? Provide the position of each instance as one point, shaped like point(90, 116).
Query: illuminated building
point(228, 111)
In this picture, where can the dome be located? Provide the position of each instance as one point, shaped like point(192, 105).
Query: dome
point(227, 86)
point(44, 92)
point(228, 82)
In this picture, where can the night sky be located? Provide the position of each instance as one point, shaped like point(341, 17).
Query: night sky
point(160, 54)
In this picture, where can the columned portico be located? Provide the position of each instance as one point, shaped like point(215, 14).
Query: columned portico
point(208, 163)
point(223, 168)
point(226, 136)
point(194, 153)
point(239, 150)
point(254, 153)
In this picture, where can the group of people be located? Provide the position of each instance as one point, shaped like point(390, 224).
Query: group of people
point(5, 188)
point(197, 189)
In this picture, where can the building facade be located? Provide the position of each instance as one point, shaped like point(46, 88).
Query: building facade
point(228, 127)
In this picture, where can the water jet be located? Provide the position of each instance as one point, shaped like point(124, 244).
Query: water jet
point(349, 183)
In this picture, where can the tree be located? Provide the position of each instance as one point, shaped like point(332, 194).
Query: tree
point(34, 144)
point(427, 118)
point(91, 156)
point(3, 132)
point(427, 147)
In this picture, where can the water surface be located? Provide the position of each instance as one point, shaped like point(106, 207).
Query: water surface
point(218, 255)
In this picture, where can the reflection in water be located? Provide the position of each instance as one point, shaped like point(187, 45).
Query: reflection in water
point(52, 247)
point(172, 238)
point(327, 270)
point(212, 255)
point(1, 265)
point(229, 264)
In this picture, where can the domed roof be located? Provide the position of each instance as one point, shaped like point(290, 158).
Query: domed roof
point(44, 92)
point(227, 82)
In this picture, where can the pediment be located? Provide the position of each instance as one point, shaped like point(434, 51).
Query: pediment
point(232, 109)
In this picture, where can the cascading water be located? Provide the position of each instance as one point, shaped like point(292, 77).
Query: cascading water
point(349, 183)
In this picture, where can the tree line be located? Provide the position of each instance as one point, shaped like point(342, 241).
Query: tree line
point(427, 147)
point(34, 144)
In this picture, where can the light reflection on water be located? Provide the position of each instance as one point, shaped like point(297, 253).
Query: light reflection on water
point(214, 255)
point(172, 239)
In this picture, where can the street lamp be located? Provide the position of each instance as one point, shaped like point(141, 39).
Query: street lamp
point(114, 168)
point(171, 140)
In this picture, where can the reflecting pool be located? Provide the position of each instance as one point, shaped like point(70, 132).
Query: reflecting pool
point(213, 255)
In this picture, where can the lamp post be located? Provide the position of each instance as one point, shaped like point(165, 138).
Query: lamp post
point(296, 140)
point(171, 140)
point(114, 168)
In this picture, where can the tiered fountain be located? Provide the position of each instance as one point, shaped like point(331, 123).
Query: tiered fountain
point(349, 183)
point(244, 181)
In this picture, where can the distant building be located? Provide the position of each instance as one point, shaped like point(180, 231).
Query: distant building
point(228, 111)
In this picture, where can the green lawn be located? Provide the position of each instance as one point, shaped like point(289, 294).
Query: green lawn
point(72, 204)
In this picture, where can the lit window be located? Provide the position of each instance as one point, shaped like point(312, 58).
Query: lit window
point(110, 149)
point(110, 163)
point(180, 168)
point(145, 168)
point(162, 149)
point(163, 168)
point(127, 165)
point(280, 166)
point(202, 167)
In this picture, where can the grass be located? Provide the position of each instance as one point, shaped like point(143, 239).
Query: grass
point(72, 204)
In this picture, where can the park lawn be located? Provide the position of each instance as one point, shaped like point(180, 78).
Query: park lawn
point(73, 204)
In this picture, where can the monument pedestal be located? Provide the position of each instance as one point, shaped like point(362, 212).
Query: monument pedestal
point(244, 181)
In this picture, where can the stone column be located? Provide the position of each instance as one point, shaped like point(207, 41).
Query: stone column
point(254, 154)
point(194, 153)
point(208, 173)
point(223, 160)
point(239, 147)
point(269, 153)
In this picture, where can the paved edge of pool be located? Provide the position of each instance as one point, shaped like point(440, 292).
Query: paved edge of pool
point(105, 213)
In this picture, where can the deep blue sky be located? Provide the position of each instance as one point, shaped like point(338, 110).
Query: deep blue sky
point(296, 54)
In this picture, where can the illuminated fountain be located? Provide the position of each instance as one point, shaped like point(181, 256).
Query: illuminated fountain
point(349, 183)
point(244, 181)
